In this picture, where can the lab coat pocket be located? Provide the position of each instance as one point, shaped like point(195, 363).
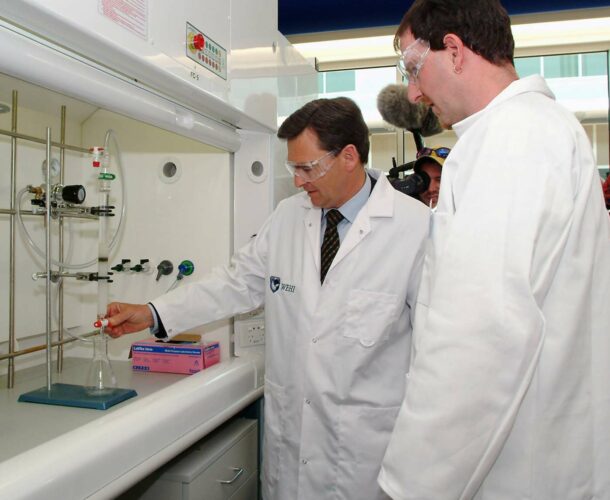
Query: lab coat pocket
point(273, 432)
point(364, 433)
point(369, 316)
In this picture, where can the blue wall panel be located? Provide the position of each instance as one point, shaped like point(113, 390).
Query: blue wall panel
point(298, 17)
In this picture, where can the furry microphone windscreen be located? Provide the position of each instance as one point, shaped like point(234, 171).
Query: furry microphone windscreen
point(397, 110)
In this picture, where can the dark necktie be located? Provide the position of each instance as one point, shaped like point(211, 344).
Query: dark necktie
point(330, 244)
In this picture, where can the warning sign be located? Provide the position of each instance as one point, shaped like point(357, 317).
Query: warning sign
point(130, 14)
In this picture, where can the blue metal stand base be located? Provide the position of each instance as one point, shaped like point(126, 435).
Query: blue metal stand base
point(78, 396)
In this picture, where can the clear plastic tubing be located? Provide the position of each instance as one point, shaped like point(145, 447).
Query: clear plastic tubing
point(109, 135)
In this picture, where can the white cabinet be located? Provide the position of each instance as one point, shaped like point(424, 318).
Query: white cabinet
point(222, 466)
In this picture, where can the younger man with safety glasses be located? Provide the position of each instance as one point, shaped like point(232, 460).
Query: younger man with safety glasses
point(507, 392)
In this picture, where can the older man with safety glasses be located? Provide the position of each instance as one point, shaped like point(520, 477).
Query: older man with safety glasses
point(508, 391)
point(337, 267)
point(336, 363)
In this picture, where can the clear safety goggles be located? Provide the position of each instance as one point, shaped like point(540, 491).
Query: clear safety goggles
point(412, 59)
point(311, 170)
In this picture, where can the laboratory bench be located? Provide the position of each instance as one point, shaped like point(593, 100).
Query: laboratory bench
point(59, 452)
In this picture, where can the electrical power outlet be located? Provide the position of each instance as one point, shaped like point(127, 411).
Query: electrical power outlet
point(250, 332)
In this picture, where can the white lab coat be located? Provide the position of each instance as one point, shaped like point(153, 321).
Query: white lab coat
point(336, 354)
point(508, 394)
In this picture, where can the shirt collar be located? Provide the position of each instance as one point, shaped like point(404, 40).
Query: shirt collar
point(533, 83)
point(350, 208)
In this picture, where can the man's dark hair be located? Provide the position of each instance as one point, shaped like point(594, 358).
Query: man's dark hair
point(337, 122)
point(483, 26)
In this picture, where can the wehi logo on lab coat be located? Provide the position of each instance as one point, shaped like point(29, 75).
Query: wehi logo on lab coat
point(275, 283)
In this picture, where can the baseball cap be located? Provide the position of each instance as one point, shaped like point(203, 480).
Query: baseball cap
point(437, 154)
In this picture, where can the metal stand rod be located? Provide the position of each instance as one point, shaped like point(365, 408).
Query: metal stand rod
point(77, 213)
point(42, 347)
point(42, 141)
point(47, 241)
point(11, 291)
point(60, 291)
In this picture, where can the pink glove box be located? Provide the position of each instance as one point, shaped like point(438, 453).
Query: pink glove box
point(176, 356)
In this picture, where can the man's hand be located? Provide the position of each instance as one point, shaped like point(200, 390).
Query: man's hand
point(127, 318)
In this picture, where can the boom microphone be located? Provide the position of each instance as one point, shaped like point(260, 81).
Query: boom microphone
point(397, 110)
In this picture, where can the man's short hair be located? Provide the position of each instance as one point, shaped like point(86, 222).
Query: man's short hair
point(337, 122)
point(482, 25)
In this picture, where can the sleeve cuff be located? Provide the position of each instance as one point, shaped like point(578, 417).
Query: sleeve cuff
point(158, 330)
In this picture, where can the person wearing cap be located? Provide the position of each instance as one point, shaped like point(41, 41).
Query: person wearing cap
point(430, 161)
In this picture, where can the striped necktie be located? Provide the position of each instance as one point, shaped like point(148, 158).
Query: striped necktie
point(330, 244)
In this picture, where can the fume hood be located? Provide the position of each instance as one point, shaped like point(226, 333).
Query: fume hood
point(190, 92)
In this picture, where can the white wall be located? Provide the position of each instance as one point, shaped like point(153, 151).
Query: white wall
point(190, 218)
point(186, 219)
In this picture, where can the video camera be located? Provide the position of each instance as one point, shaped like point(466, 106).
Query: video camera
point(411, 185)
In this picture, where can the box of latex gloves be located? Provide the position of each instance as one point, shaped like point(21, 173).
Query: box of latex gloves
point(183, 354)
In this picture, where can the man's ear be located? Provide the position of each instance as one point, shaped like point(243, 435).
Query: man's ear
point(350, 156)
point(455, 48)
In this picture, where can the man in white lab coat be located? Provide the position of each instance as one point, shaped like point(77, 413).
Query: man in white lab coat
point(508, 392)
point(337, 329)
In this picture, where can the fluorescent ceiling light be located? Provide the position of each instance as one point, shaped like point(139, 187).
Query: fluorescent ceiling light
point(549, 34)
point(546, 34)
point(375, 47)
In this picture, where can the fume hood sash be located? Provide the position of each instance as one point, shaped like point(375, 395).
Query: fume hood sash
point(27, 57)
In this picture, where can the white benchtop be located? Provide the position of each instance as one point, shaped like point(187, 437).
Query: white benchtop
point(58, 452)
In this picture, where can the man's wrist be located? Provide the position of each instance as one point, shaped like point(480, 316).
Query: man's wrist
point(157, 329)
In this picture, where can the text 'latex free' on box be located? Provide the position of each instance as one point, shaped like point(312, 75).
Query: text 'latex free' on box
point(176, 356)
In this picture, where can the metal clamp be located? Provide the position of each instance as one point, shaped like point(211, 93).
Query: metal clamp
point(238, 472)
point(55, 276)
point(103, 211)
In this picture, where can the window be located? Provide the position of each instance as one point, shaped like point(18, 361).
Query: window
point(527, 66)
point(579, 82)
point(595, 64)
point(560, 66)
point(564, 66)
point(336, 81)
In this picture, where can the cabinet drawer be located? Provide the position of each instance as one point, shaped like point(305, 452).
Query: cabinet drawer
point(227, 474)
point(228, 454)
point(248, 491)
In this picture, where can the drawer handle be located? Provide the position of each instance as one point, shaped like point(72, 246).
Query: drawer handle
point(238, 472)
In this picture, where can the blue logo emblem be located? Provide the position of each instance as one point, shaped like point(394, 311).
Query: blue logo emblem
point(274, 283)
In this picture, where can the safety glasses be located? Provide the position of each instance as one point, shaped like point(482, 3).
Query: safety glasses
point(311, 170)
point(440, 152)
point(412, 59)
